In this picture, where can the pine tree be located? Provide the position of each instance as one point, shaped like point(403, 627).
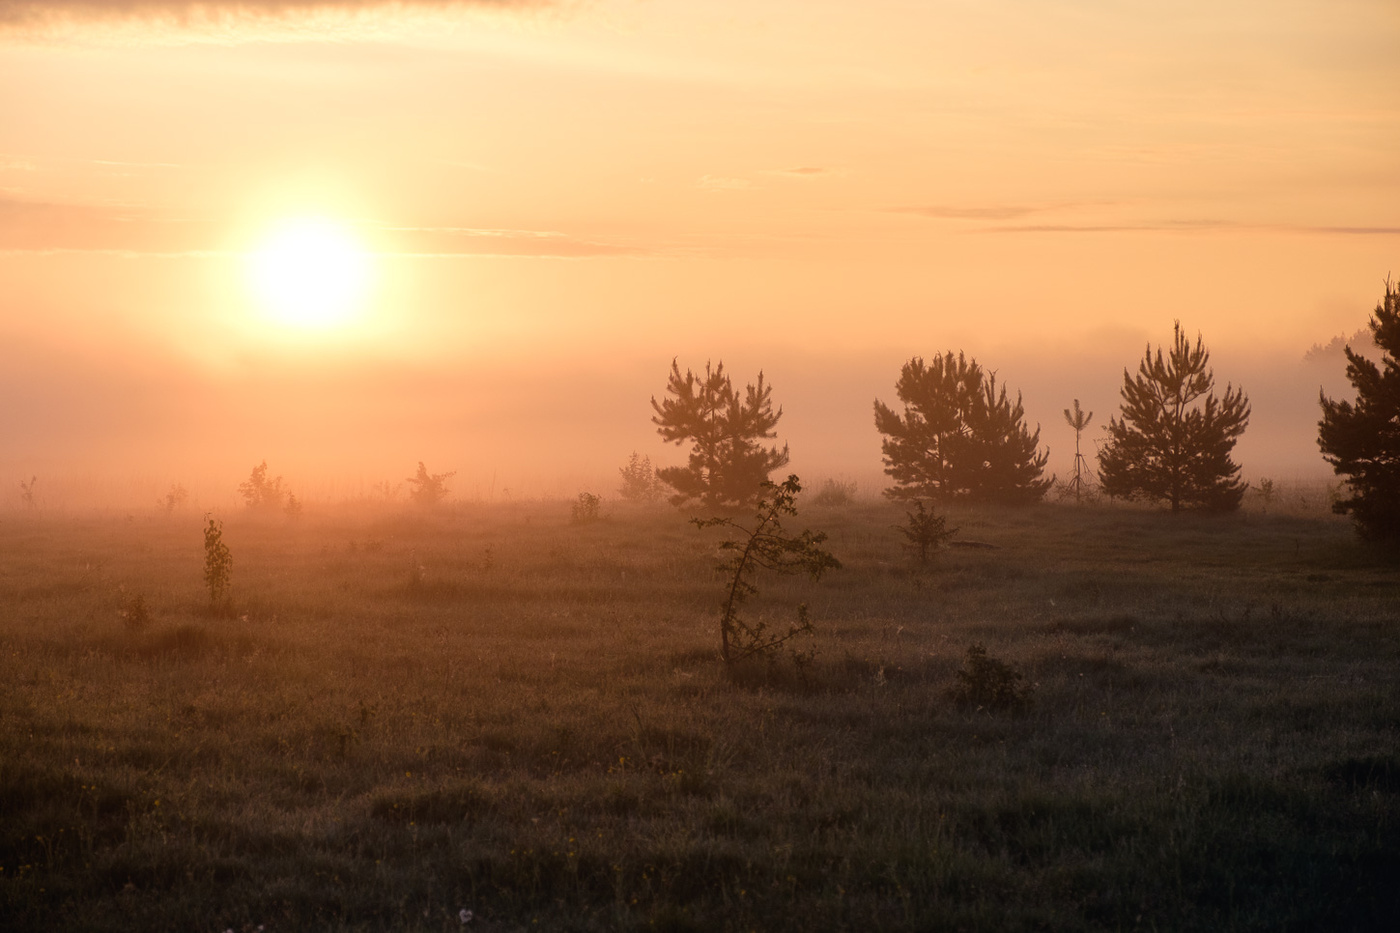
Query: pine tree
point(727, 464)
point(959, 436)
point(1361, 439)
point(1174, 440)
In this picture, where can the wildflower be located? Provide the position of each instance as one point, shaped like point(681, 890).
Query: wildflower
point(465, 916)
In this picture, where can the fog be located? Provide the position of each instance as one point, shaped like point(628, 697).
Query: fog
point(117, 430)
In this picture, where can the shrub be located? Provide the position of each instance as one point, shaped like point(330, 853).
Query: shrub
point(987, 683)
point(261, 493)
point(176, 497)
point(136, 616)
point(586, 508)
point(639, 482)
point(835, 493)
point(428, 488)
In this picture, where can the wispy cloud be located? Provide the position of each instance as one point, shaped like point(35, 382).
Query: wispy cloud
point(29, 10)
point(801, 171)
point(1194, 226)
point(48, 227)
point(474, 241)
point(721, 183)
point(990, 212)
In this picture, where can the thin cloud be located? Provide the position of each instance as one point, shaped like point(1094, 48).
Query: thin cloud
point(1193, 226)
point(474, 241)
point(994, 212)
point(14, 11)
point(47, 227)
point(801, 171)
point(721, 183)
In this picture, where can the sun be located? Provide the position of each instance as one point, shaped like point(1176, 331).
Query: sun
point(311, 274)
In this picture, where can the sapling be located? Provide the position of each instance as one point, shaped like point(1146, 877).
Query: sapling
point(765, 546)
point(925, 532)
point(218, 561)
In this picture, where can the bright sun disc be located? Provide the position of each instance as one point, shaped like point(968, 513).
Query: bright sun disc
point(311, 273)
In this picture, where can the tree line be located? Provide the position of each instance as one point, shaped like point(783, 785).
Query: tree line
point(957, 434)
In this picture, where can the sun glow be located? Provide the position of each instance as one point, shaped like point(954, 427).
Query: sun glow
point(311, 274)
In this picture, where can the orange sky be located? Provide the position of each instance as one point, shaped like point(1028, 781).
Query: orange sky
point(559, 198)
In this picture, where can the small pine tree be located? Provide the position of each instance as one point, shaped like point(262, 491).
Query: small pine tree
point(1361, 439)
point(727, 463)
point(1174, 440)
point(959, 436)
point(925, 532)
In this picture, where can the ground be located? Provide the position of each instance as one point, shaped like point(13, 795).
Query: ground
point(402, 716)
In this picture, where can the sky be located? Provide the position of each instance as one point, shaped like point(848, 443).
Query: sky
point(545, 203)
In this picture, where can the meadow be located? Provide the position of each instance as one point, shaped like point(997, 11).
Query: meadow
point(405, 716)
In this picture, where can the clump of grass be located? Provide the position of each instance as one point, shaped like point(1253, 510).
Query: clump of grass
point(989, 683)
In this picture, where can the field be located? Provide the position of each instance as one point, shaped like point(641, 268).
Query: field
point(492, 709)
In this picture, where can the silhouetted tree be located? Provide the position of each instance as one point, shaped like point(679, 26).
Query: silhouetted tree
point(262, 493)
point(1174, 440)
point(639, 483)
point(959, 436)
point(1361, 439)
point(727, 463)
point(428, 488)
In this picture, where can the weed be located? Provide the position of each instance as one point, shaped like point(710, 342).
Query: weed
point(988, 683)
point(26, 492)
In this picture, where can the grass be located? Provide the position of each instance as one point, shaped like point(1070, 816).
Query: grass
point(493, 709)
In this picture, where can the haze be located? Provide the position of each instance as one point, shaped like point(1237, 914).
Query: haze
point(554, 200)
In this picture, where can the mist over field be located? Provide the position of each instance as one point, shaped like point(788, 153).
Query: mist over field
point(117, 431)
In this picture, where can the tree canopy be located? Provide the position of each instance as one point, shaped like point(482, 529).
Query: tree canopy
point(1174, 439)
point(1361, 439)
point(728, 465)
point(959, 436)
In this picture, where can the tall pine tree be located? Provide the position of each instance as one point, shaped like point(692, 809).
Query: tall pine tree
point(959, 436)
point(727, 464)
point(1361, 439)
point(1174, 440)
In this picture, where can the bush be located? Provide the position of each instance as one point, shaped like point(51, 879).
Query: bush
point(261, 493)
point(835, 493)
point(587, 508)
point(988, 683)
point(639, 482)
point(428, 488)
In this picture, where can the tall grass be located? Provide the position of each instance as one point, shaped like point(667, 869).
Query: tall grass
point(493, 709)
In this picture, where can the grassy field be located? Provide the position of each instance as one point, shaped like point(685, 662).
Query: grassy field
point(491, 709)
